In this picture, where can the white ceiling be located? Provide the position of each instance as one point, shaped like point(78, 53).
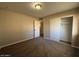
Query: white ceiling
point(47, 7)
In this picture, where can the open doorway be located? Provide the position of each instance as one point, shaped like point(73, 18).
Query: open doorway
point(66, 29)
point(41, 29)
point(36, 26)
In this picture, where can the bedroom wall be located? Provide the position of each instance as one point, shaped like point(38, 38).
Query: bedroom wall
point(15, 27)
point(46, 28)
point(55, 21)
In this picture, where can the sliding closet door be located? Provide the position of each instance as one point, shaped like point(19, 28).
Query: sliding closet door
point(66, 29)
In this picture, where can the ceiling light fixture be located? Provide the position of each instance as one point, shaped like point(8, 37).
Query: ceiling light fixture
point(38, 6)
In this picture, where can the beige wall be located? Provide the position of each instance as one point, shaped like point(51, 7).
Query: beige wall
point(15, 27)
point(54, 25)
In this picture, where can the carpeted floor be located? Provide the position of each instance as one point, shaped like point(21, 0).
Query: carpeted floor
point(39, 48)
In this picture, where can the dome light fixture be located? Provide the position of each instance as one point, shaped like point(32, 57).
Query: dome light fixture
point(38, 6)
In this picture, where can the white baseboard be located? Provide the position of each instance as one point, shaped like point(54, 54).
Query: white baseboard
point(75, 46)
point(13, 43)
point(68, 45)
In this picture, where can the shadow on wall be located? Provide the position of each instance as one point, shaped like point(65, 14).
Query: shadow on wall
point(75, 41)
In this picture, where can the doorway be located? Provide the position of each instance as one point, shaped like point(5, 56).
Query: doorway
point(36, 26)
point(66, 29)
point(41, 29)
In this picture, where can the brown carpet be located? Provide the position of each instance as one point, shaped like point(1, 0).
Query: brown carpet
point(39, 48)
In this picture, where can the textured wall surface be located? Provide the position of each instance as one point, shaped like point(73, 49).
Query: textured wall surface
point(15, 27)
point(54, 22)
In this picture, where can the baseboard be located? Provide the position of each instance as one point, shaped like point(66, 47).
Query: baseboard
point(65, 42)
point(72, 46)
point(13, 43)
point(75, 46)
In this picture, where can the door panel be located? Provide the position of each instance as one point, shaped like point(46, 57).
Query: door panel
point(37, 28)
